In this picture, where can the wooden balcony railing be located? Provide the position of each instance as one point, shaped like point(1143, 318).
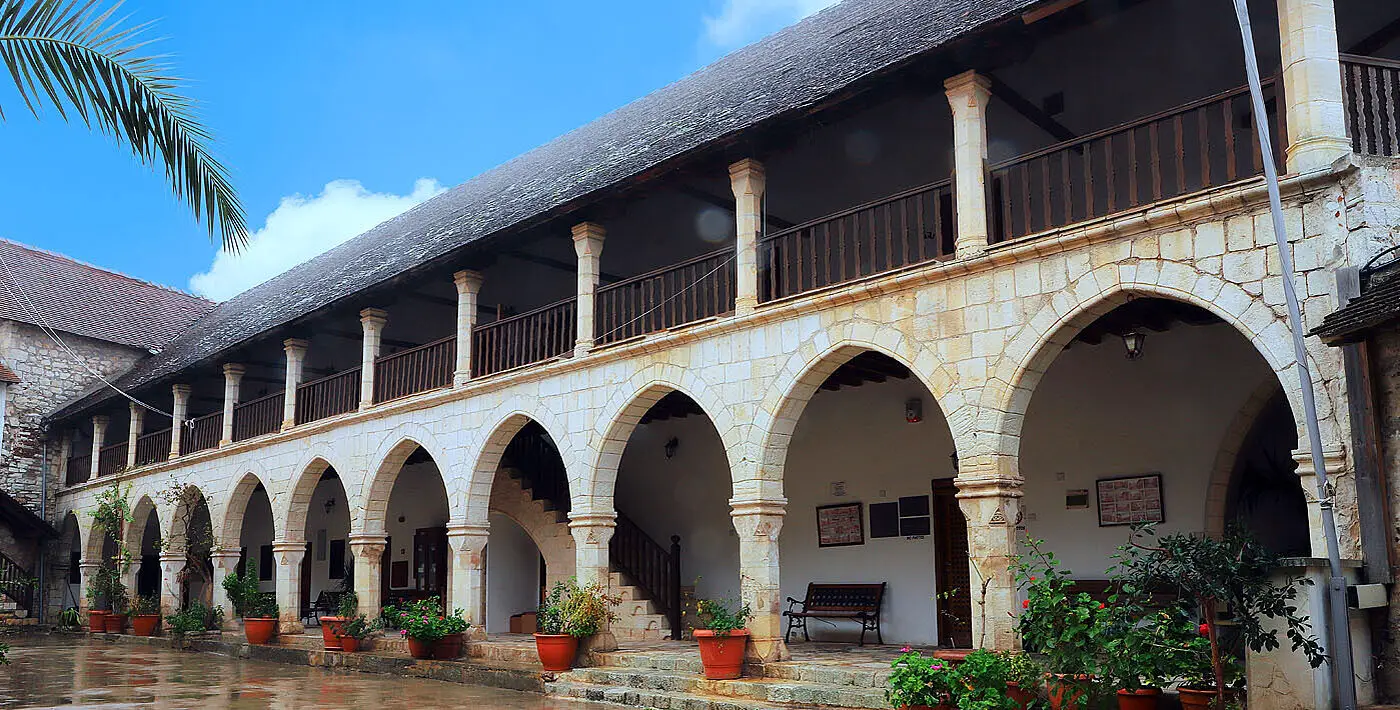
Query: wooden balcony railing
point(426, 367)
point(517, 341)
point(1371, 97)
point(202, 433)
point(258, 416)
point(1202, 144)
point(910, 227)
point(153, 447)
point(79, 469)
point(111, 459)
point(693, 290)
point(328, 396)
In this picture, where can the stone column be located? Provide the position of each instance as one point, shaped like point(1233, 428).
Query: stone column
point(1312, 84)
point(288, 554)
point(1343, 486)
point(133, 432)
point(593, 564)
point(99, 432)
point(233, 377)
point(86, 570)
point(172, 563)
point(468, 287)
point(368, 549)
point(759, 522)
point(467, 564)
point(588, 244)
point(372, 322)
point(178, 411)
point(296, 360)
point(225, 564)
point(989, 493)
point(748, 181)
point(968, 94)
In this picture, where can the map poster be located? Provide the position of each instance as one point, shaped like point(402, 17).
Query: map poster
point(840, 525)
point(1130, 500)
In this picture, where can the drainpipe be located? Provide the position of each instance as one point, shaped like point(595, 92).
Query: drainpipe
point(1339, 632)
point(43, 513)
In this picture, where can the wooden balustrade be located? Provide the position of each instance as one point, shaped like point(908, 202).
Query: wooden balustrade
point(153, 447)
point(1371, 97)
point(541, 334)
point(16, 583)
point(650, 566)
point(328, 396)
point(111, 459)
point(419, 369)
point(693, 290)
point(1203, 144)
point(79, 469)
point(258, 416)
point(202, 433)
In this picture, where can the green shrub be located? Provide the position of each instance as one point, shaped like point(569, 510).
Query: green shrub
point(576, 611)
point(715, 615)
point(918, 680)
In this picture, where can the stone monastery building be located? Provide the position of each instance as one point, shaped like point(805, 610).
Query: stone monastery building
point(867, 301)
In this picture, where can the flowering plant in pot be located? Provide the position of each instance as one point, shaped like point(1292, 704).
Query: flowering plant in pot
point(258, 610)
point(145, 615)
point(571, 612)
point(430, 632)
point(332, 626)
point(354, 631)
point(1064, 626)
point(919, 682)
point(722, 636)
point(1025, 678)
point(980, 682)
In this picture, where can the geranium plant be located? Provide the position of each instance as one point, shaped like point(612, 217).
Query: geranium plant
point(979, 682)
point(1064, 625)
point(424, 620)
point(918, 680)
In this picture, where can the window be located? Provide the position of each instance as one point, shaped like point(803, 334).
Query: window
point(265, 563)
point(337, 562)
point(75, 574)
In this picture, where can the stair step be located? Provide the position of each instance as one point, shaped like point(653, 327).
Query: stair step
point(689, 662)
point(760, 690)
point(648, 698)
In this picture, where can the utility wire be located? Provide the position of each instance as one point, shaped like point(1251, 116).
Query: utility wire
point(672, 297)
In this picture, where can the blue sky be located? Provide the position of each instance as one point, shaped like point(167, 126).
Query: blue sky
point(336, 115)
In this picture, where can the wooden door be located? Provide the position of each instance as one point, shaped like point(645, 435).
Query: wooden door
point(430, 560)
point(305, 591)
point(385, 561)
point(954, 578)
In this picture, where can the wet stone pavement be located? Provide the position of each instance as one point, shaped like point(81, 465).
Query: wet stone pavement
point(77, 671)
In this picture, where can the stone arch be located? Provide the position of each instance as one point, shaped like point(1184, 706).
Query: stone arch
point(298, 498)
point(136, 530)
point(1218, 487)
point(477, 496)
point(228, 532)
point(1029, 354)
point(800, 378)
point(91, 537)
point(369, 517)
point(624, 413)
point(181, 515)
point(551, 539)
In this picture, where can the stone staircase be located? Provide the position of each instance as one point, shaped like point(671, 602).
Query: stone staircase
point(637, 617)
point(669, 680)
point(12, 615)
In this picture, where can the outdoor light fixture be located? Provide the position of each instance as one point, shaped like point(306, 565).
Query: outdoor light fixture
point(1132, 342)
point(671, 447)
point(914, 410)
point(330, 505)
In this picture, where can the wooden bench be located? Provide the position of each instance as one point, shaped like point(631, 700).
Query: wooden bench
point(857, 602)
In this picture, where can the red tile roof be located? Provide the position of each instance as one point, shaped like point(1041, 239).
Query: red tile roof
point(46, 289)
point(7, 375)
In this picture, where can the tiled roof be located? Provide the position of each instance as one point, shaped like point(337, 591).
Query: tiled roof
point(7, 375)
point(46, 289)
point(784, 74)
point(1378, 305)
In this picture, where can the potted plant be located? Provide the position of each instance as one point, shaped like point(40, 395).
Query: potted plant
point(1065, 626)
point(918, 682)
point(116, 594)
point(722, 635)
point(570, 612)
point(145, 615)
point(258, 610)
point(980, 682)
point(430, 632)
point(1024, 678)
point(69, 618)
point(332, 626)
point(354, 631)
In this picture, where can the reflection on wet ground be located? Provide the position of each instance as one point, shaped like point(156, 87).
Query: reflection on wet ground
point(77, 671)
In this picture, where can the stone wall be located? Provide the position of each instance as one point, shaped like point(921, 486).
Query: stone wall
point(1385, 359)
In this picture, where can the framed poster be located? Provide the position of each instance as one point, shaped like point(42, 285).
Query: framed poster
point(1128, 500)
point(840, 525)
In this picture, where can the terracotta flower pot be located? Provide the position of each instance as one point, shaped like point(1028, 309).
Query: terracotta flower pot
point(1200, 697)
point(448, 648)
point(556, 651)
point(114, 623)
point(260, 630)
point(331, 629)
point(1068, 692)
point(1020, 697)
point(144, 624)
point(722, 656)
point(1140, 699)
point(97, 621)
point(349, 644)
point(420, 649)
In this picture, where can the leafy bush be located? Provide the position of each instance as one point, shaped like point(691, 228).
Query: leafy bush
point(979, 682)
point(1023, 670)
point(245, 593)
point(358, 627)
point(576, 611)
point(192, 619)
point(389, 617)
point(145, 605)
point(349, 604)
point(1066, 626)
point(715, 615)
point(106, 591)
point(1147, 648)
point(70, 618)
point(918, 680)
point(423, 620)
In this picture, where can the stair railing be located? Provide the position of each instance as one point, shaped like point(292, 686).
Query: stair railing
point(16, 583)
point(650, 566)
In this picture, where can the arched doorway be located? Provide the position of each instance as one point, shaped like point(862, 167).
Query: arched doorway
point(1264, 496)
point(256, 533)
point(192, 534)
point(143, 545)
point(415, 562)
point(319, 518)
point(66, 589)
point(515, 575)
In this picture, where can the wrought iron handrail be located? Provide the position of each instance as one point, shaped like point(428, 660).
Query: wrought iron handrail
point(692, 290)
point(153, 447)
point(202, 433)
point(111, 459)
point(1371, 102)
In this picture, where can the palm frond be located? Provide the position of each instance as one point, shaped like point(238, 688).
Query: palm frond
point(84, 60)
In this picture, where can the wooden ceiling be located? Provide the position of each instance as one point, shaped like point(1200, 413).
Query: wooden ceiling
point(863, 368)
point(1145, 314)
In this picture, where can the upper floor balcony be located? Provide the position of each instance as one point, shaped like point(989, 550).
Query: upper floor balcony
point(1007, 138)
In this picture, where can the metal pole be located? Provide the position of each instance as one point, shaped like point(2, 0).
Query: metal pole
point(1339, 632)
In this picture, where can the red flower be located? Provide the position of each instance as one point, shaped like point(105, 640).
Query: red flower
point(1032, 579)
point(1203, 629)
point(1102, 605)
point(1025, 603)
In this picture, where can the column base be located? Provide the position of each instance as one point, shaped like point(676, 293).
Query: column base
point(598, 643)
point(582, 347)
point(288, 424)
point(475, 633)
point(969, 249)
point(745, 306)
point(1318, 153)
point(290, 627)
point(460, 379)
point(766, 651)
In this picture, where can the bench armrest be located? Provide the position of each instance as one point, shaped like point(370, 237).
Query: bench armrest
point(794, 604)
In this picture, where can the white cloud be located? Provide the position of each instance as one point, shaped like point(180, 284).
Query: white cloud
point(742, 21)
point(302, 227)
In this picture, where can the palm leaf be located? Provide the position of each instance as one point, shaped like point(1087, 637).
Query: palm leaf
point(84, 61)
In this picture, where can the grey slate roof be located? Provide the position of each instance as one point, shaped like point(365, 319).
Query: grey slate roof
point(46, 289)
point(793, 69)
